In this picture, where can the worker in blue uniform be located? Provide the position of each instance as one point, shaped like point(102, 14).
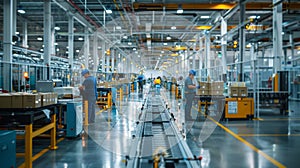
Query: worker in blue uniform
point(189, 92)
point(88, 90)
point(140, 81)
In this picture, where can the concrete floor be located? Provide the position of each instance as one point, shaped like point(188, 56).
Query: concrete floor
point(272, 141)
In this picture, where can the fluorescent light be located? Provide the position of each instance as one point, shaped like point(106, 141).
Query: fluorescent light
point(129, 43)
point(77, 51)
point(148, 35)
point(56, 28)
point(179, 11)
point(169, 38)
point(21, 11)
point(17, 32)
point(134, 49)
point(55, 43)
point(118, 27)
point(108, 11)
point(39, 38)
point(204, 17)
point(80, 38)
point(125, 37)
point(254, 17)
point(165, 44)
point(173, 27)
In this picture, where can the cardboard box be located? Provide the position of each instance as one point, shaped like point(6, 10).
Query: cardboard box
point(243, 92)
point(216, 92)
point(204, 85)
point(45, 98)
point(202, 92)
point(53, 98)
point(16, 100)
point(5, 101)
point(233, 91)
point(31, 101)
point(218, 85)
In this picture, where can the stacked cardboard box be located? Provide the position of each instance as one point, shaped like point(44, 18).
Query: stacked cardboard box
point(216, 88)
point(238, 89)
point(26, 100)
point(17, 100)
point(204, 89)
point(211, 88)
point(31, 101)
point(5, 101)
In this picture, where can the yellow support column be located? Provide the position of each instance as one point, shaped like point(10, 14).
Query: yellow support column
point(275, 83)
point(53, 133)
point(121, 94)
point(109, 101)
point(86, 112)
point(28, 146)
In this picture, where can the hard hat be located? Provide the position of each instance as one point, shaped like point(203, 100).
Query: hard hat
point(85, 71)
point(193, 72)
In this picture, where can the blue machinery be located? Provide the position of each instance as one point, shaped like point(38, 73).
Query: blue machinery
point(73, 119)
point(157, 141)
point(8, 149)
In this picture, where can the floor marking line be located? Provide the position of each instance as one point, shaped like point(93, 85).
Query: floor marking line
point(275, 162)
point(252, 135)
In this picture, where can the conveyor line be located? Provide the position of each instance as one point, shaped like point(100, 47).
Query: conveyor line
point(158, 142)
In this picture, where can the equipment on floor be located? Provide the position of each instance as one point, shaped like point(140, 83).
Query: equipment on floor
point(157, 141)
point(73, 117)
point(71, 113)
point(7, 149)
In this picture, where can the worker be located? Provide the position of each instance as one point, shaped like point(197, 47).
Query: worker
point(140, 82)
point(88, 90)
point(157, 84)
point(189, 92)
point(270, 82)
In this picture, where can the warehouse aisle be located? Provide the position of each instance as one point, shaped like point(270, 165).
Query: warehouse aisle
point(272, 141)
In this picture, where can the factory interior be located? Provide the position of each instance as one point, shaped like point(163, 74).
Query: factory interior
point(239, 59)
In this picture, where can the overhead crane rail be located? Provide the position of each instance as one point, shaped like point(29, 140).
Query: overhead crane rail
point(157, 142)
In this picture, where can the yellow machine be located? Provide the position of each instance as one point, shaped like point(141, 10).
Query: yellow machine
point(239, 108)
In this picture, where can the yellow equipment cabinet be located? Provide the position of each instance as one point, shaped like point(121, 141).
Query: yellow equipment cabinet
point(239, 108)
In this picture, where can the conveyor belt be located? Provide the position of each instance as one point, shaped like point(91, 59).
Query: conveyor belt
point(158, 142)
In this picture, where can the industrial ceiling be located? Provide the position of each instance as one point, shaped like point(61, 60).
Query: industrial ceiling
point(153, 29)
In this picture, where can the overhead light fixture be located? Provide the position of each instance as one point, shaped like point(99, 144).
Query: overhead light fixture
point(56, 28)
point(80, 38)
point(108, 11)
point(148, 35)
point(254, 17)
point(129, 43)
point(21, 11)
point(205, 17)
point(169, 38)
point(179, 10)
point(173, 27)
point(125, 37)
point(118, 27)
point(165, 44)
point(17, 32)
point(39, 38)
